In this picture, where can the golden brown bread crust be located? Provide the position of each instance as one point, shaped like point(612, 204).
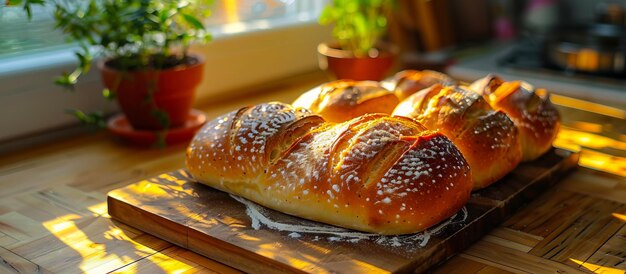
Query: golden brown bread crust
point(342, 100)
point(487, 138)
point(408, 82)
point(375, 173)
point(537, 119)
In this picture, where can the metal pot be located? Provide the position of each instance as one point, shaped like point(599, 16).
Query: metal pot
point(597, 49)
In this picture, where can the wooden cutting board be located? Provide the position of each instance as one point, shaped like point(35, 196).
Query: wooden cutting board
point(213, 223)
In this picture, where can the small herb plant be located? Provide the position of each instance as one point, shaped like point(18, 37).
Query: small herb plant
point(133, 35)
point(359, 24)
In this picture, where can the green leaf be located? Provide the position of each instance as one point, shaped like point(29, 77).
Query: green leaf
point(108, 94)
point(157, 19)
point(79, 115)
point(29, 11)
point(381, 22)
point(94, 119)
point(360, 25)
point(326, 17)
point(84, 60)
point(352, 6)
point(67, 81)
point(160, 139)
point(162, 117)
point(27, 5)
point(192, 20)
point(14, 2)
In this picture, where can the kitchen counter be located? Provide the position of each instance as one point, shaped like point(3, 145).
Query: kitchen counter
point(53, 215)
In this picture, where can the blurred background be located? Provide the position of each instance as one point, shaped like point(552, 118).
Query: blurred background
point(571, 47)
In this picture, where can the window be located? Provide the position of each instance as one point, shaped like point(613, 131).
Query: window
point(268, 39)
point(18, 35)
point(233, 11)
point(238, 16)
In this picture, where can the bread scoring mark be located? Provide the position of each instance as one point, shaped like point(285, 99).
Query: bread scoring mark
point(245, 131)
point(363, 146)
point(529, 108)
point(534, 114)
point(414, 172)
point(408, 82)
point(496, 126)
point(262, 122)
point(349, 93)
point(458, 110)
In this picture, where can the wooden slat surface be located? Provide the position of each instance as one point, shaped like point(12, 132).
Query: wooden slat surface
point(59, 190)
point(175, 208)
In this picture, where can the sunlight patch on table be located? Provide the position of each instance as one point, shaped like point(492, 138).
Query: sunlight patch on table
point(588, 106)
point(603, 162)
point(597, 268)
point(620, 217)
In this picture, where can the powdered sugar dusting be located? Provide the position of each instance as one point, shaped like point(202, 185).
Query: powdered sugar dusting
point(259, 217)
point(343, 169)
point(239, 140)
point(418, 168)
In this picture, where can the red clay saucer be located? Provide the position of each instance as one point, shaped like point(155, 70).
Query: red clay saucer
point(119, 126)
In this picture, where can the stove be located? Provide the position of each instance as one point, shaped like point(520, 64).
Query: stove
point(525, 60)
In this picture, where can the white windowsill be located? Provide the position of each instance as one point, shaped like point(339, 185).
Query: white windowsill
point(239, 56)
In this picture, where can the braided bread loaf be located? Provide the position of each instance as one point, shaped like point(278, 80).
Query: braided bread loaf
point(342, 100)
point(487, 138)
point(375, 173)
point(530, 109)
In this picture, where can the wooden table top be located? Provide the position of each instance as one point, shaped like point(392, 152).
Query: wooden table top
point(53, 215)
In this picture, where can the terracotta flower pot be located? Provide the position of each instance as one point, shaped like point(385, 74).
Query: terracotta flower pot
point(173, 92)
point(344, 65)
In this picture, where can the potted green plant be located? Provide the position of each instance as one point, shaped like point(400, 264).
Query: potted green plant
point(142, 47)
point(358, 53)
